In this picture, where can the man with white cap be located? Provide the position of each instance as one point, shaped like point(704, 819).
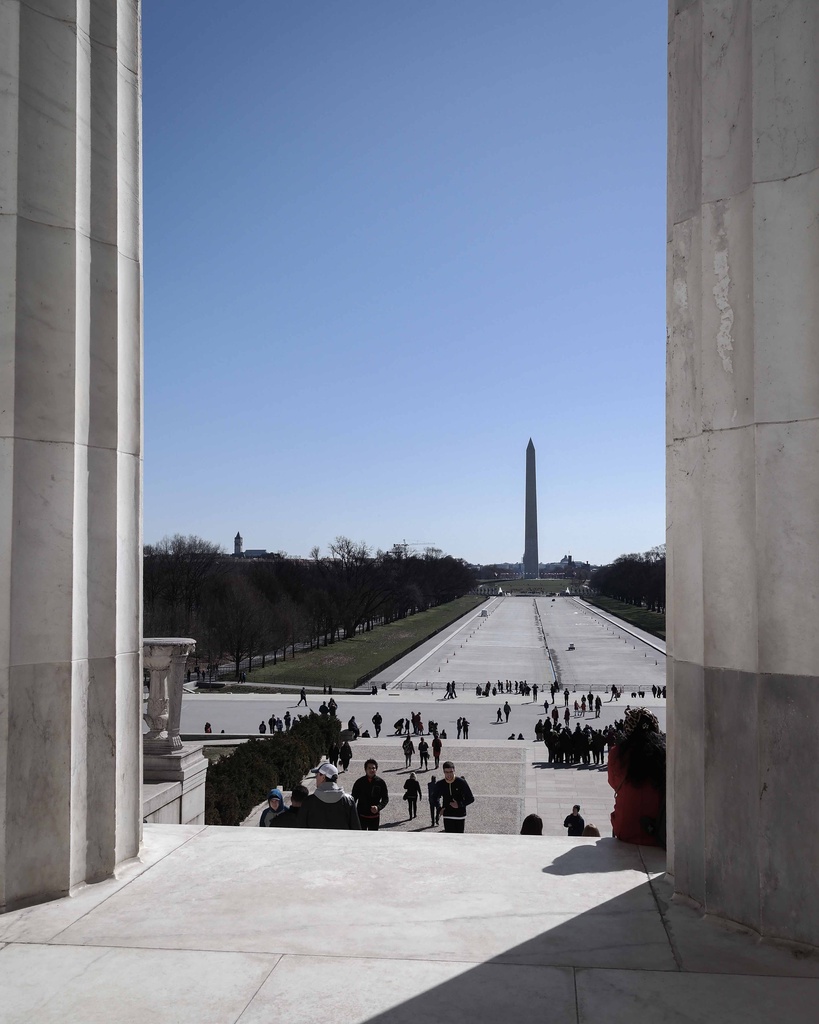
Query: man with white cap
point(329, 806)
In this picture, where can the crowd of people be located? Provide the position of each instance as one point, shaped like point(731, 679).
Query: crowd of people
point(329, 807)
point(636, 772)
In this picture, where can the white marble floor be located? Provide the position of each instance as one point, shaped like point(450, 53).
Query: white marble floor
point(226, 925)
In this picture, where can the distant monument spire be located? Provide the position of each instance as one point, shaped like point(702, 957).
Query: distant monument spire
point(237, 546)
point(530, 559)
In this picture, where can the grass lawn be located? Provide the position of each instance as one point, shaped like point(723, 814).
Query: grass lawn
point(651, 622)
point(531, 586)
point(346, 663)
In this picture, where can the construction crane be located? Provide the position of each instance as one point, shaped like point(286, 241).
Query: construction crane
point(413, 546)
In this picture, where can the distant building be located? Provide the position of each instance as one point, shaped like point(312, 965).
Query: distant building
point(239, 552)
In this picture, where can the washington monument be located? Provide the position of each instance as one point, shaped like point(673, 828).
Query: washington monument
point(530, 559)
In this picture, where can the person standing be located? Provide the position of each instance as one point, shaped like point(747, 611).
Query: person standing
point(377, 720)
point(409, 749)
point(465, 728)
point(507, 710)
point(371, 796)
point(637, 765)
point(275, 807)
point(423, 754)
point(436, 748)
point(287, 720)
point(573, 822)
point(345, 755)
point(333, 753)
point(459, 724)
point(453, 796)
point(290, 818)
point(329, 806)
point(412, 794)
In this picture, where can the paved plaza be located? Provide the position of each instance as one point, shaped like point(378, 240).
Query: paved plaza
point(511, 642)
point(242, 926)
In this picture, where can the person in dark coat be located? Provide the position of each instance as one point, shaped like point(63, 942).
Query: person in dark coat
point(329, 807)
point(290, 818)
point(345, 755)
point(412, 794)
point(453, 796)
point(371, 796)
point(434, 809)
point(573, 822)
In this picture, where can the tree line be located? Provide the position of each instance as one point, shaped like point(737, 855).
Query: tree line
point(634, 579)
point(239, 609)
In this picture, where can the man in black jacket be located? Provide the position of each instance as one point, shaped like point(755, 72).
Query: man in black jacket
point(371, 796)
point(290, 818)
point(329, 806)
point(453, 796)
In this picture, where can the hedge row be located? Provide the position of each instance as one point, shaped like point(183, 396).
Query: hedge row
point(237, 783)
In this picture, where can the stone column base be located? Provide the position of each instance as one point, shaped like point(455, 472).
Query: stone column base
point(174, 787)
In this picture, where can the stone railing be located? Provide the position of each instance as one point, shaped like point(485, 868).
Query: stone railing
point(165, 659)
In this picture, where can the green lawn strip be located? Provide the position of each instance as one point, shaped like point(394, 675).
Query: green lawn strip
point(651, 622)
point(347, 663)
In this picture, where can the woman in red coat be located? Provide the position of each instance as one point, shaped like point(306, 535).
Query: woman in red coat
point(637, 776)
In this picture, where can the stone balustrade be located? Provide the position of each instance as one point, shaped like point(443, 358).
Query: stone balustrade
point(165, 659)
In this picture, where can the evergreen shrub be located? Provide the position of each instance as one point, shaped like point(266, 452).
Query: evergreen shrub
point(238, 782)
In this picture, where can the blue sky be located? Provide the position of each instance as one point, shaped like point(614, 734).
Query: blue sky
point(386, 243)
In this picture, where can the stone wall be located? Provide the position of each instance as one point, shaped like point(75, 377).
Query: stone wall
point(743, 459)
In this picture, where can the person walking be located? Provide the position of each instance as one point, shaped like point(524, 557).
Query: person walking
point(507, 710)
point(573, 822)
point(436, 748)
point(345, 755)
point(377, 720)
point(453, 796)
point(303, 697)
point(290, 818)
point(434, 810)
point(329, 806)
point(423, 754)
point(412, 794)
point(500, 717)
point(371, 796)
point(409, 749)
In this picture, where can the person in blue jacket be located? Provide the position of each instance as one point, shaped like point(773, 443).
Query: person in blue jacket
point(275, 807)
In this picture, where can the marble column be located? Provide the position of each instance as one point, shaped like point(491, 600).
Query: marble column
point(70, 443)
point(743, 460)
